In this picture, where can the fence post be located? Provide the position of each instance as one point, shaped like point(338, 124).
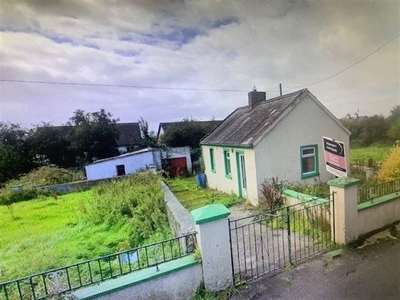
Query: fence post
point(344, 208)
point(213, 239)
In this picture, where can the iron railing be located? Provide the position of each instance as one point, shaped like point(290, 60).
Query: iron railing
point(266, 242)
point(67, 279)
point(369, 193)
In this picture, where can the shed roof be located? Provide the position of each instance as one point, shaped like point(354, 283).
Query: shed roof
point(247, 125)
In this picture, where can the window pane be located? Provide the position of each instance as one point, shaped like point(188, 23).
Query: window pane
point(308, 164)
point(308, 151)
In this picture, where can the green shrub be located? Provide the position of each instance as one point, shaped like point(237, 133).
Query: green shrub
point(317, 190)
point(390, 169)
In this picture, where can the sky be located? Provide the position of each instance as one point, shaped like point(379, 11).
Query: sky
point(168, 60)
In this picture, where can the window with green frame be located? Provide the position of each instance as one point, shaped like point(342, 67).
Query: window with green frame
point(309, 161)
point(227, 161)
point(212, 160)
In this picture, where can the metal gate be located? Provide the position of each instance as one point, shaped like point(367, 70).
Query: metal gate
point(266, 242)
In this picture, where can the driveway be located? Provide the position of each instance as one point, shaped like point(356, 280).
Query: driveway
point(370, 271)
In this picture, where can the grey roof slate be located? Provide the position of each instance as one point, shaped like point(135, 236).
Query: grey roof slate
point(246, 125)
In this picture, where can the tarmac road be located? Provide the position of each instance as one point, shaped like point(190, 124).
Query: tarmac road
point(372, 272)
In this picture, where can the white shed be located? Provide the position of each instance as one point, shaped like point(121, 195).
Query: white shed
point(132, 162)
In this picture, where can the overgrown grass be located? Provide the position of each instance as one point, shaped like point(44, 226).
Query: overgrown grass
point(192, 196)
point(46, 233)
point(362, 155)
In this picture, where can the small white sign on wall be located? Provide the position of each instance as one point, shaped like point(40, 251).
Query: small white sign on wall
point(335, 157)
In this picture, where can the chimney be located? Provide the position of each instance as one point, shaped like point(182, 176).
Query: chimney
point(256, 98)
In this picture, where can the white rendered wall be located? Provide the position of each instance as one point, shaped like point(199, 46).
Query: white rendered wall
point(217, 179)
point(278, 154)
point(108, 168)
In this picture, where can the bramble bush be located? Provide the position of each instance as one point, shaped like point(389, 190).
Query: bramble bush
point(390, 169)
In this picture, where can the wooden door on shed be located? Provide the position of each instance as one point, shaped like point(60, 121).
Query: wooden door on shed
point(175, 166)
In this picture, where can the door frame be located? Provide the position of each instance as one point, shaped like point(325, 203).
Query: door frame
point(238, 167)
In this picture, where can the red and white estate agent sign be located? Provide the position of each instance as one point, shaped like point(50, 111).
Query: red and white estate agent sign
point(335, 157)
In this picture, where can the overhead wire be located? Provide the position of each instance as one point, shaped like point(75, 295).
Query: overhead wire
point(191, 89)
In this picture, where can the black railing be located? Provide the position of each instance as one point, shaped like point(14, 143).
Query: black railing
point(369, 193)
point(66, 279)
point(270, 241)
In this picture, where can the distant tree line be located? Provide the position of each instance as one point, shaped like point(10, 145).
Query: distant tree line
point(375, 130)
point(85, 138)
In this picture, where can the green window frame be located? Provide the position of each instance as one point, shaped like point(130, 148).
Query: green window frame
point(227, 163)
point(212, 160)
point(309, 161)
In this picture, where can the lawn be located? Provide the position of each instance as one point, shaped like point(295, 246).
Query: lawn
point(47, 233)
point(362, 155)
point(193, 196)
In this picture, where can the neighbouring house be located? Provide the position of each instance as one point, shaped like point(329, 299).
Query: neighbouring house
point(162, 127)
point(130, 137)
point(279, 137)
point(356, 118)
point(176, 160)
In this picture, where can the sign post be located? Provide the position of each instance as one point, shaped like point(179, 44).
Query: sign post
point(335, 157)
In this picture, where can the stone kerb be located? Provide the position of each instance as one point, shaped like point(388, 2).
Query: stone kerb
point(345, 210)
point(213, 240)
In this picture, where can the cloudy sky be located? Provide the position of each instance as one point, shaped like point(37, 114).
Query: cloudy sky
point(167, 60)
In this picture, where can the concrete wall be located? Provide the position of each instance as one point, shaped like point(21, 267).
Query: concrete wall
point(180, 220)
point(179, 285)
point(378, 215)
point(278, 154)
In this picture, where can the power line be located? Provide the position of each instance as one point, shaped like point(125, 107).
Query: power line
point(352, 65)
point(190, 89)
point(121, 86)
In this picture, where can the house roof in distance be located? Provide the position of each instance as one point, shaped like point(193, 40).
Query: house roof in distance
point(247, 125)
point(129, 134)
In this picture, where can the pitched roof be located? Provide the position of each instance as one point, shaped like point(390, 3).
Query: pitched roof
point(129, 134)
point(246, 126)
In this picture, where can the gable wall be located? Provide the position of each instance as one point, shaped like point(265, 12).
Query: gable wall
point(278, 154)
point(218, 180)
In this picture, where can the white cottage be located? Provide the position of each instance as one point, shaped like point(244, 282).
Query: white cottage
point(178, 161)
point(279, 137)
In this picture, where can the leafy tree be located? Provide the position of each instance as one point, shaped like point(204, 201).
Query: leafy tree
point(148, 138)
point(52, 145)
point(95, 134)
point(394, 124)
point(14, 157)
point(189, 132)
point(374, 130)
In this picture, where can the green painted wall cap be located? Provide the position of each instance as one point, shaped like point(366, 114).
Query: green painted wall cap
point(343, 182)
point(209, 213)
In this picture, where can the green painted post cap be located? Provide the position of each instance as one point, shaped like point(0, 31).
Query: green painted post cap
point(209, 213)
point(343, 182)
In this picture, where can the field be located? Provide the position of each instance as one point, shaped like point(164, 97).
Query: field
point(192, 196)
point(362, 155)
point(47, 233)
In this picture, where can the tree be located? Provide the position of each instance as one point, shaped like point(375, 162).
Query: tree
point(148, 138)
point(189, 132)
point(14, 152)
point(390, 169)
point(394, 124)
point(52, 145)
point(95, 134)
